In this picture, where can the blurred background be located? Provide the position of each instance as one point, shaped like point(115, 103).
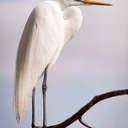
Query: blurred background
point(94, 62)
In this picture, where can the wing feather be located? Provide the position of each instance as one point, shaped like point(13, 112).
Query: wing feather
point(32, 58)
point(42, 38)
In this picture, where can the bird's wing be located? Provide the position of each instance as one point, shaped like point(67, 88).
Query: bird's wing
point(36, 50)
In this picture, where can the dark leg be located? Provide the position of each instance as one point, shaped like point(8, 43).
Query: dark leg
point(44, 89)
point(33, 108)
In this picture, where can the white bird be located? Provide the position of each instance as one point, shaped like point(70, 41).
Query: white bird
point(49, 27)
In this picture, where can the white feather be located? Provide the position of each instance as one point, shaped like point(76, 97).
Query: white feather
point(47, 30)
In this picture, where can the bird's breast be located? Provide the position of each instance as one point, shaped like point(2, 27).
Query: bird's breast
point(73, 19)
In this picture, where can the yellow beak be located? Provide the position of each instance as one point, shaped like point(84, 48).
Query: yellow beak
point(93, 2)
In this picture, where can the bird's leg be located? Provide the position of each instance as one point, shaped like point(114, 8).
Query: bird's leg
point(44, 89)
point(33, 108)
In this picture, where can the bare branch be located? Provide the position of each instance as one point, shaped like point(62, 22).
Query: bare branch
point(84, 109)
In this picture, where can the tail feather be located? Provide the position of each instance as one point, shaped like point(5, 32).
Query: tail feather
point(18, 123)
point(23, 90)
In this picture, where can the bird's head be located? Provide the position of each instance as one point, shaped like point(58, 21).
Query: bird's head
point(85, 2)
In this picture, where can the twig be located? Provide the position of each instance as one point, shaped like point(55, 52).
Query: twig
point(81, 121)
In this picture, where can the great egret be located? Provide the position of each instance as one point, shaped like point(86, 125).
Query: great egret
point(49, 27)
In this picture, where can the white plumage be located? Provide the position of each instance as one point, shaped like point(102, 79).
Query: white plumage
point(49, 27)
point(46, 32)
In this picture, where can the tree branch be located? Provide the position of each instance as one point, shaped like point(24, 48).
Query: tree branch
point(84, 109)
point(78, 115)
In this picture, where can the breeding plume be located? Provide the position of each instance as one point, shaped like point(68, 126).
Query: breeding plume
point(50, 26)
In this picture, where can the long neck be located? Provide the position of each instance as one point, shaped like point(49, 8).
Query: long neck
point(73, 19)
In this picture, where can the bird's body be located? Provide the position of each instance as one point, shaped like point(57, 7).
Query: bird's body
point(47, 30)
point(49, 27)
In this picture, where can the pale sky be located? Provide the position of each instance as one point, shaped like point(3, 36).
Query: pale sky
point(95, 61)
